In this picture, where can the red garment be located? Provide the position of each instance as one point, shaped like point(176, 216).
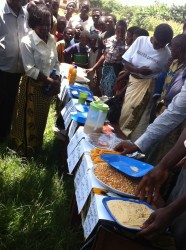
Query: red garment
point(58, 36)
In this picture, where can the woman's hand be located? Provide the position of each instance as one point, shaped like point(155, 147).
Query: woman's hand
point(88, 71)
point(151, 183)
point(139, 70)
point(126, 147)
point(54, 86)
point(156, 224)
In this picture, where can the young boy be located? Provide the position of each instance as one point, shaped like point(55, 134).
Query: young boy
point(78, 29)
point(79, 51)
point(61, 25)
point(63, 44)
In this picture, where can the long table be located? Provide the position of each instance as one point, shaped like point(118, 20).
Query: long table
point(100, 231)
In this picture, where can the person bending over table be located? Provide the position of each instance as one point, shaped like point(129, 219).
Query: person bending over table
point(173, 116)
point(152, 182)
point(146, 58)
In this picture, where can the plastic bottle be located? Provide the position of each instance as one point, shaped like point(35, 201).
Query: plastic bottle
point(52, 75)
point(70, 70)
point(73, 76)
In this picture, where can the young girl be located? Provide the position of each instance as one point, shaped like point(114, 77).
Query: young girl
point(39, 58)
point(115, 47)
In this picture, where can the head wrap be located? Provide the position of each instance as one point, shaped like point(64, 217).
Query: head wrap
point(72, 2)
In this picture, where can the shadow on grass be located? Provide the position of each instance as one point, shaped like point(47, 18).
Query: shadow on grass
point(35, 202)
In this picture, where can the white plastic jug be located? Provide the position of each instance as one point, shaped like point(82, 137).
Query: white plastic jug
point(96, 117)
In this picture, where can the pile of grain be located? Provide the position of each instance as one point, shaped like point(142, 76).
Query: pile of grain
point(129, 214)
point(114, 179)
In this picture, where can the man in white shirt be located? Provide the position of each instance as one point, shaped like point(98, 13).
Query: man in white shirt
point(12, 28)
point(82, 18)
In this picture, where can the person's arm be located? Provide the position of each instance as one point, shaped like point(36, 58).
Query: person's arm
point(152, 182)
point(126, 147)
point(162, 125)
point(133, 69)
point(162, 218)
point(174, 115)
point(100, 48)
point(29, 64)
point(97, 65)
point(48, 80)
point(128, 59)
point(69, 52)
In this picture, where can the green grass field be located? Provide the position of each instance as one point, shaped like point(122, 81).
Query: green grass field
point(35, 198)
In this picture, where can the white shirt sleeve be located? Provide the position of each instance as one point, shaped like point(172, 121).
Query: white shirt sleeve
point(166, 122)
point(39, 56)
point(28, 59)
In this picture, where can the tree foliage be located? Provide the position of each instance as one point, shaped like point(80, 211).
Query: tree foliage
point(145, 17)
point(178, 13)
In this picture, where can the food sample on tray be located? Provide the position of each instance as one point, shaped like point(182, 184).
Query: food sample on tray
point(95, 154)
point(114, 179)
point(129, 214)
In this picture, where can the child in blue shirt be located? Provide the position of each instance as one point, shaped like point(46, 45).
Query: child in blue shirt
point(79, 51)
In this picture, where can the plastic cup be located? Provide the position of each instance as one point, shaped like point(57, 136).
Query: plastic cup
point(82, 97)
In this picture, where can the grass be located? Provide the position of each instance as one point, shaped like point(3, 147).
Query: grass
point(35, 198)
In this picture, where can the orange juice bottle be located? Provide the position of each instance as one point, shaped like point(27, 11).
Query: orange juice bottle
point(70, 70)
point(73, 76)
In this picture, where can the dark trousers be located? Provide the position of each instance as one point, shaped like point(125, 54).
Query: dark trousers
point(9, 83)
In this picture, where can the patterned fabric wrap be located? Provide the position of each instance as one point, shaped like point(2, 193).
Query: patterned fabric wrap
point(137, 97)
point(109, 75)
point(30, 116)
point(174, 68)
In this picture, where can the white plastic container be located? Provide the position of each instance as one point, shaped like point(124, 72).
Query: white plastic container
point(96, 117)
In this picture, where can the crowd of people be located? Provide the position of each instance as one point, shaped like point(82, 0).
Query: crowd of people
point(146, 72)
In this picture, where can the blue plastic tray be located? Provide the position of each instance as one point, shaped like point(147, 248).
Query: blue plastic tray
point(126, 165)
point(82, 107)
point(74, 90)
point(79, 117)
point(105, 200)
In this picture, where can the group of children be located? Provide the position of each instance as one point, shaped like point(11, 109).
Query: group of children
point(75, 45)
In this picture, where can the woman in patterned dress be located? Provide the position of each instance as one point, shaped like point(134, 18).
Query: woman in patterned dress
point(39, 56)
